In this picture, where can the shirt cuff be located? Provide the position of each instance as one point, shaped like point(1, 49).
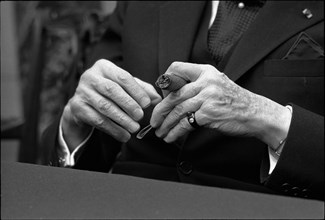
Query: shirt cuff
point(67, 159)
point(273, 160)
point(273, 157)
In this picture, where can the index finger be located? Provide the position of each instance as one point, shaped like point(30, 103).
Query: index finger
point(126, 81)
point(163, 108)
point(180, 73)
point(188, 71)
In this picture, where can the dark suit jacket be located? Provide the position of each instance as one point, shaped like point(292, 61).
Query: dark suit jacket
point(146, 37)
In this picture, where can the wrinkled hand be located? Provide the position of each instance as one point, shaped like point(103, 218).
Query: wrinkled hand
point(219, 104)
point(109, 99)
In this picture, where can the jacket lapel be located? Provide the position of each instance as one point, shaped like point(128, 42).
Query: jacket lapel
point(276, 22)
point(178, 24)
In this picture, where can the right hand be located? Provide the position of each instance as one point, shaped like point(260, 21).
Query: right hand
point(109, 99)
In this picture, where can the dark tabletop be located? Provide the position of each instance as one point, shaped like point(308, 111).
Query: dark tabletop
point(41, 192)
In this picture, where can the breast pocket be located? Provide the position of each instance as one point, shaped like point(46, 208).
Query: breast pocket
point(294, 68)
point(297, 81)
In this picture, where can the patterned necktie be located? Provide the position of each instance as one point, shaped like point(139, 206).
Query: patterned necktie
point(231, 21)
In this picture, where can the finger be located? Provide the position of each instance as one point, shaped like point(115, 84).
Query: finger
point(181, 129)
point(183, 73)
point(151, 91)
point(113, 91)
point(188, 71)
point(110, 110)
point(93, 118)
point(179, 112)
point(174, 98)
point(125, 80)
point(170, 83)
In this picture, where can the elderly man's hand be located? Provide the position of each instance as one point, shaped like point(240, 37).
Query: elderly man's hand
point(218, 104)
point(109, 99)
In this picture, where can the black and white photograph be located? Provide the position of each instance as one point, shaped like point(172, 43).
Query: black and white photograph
point(162, 109)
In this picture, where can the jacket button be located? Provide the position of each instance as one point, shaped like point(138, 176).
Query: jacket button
point(295, 191)
point(286, 187)
point(185, 167)
point(305, 193)
point(61, 162)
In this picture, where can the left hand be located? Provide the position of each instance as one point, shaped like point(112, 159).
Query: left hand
point(219, 104)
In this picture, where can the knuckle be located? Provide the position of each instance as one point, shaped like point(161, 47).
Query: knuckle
point(85, 77)
point(175, 65)
point(109, 88)
point(183, 124)
point(176, 94)
point(207, 71)
point(179, 110)
point(100, 62)
point(204, 118)
point(104, 106)
point(222, 74)
point(209, 67)
point(88, 78)
point(130, 104)
point(102, 66)
point(194, 90)
point(121, 119)
point(211, 90)
point(124, 78)
point(99, 122)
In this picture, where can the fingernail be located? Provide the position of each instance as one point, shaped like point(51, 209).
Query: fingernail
point(153, 124)
point(159, 133)
point(145, 102)
point(154, 121)
point(126, 138)
point(138, 114)
point(134, 127)
point(166, 139)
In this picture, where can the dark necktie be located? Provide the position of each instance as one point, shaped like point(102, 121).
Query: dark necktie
point(232, 20)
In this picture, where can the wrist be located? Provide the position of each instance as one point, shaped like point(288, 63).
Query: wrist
point(281, 130)
point(73, 132)
point(272, 123)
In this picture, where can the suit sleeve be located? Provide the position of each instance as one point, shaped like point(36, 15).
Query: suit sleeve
point(300, 168)
point(100, 151)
